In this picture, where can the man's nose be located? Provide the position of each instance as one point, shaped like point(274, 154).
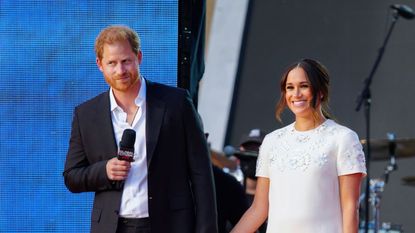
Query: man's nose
point(120, 69)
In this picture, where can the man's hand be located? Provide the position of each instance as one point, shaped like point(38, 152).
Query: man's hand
point(117, 169)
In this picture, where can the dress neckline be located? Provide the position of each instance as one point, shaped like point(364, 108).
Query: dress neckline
point(322, 125)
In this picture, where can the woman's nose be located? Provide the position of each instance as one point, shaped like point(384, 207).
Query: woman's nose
point(297, 92)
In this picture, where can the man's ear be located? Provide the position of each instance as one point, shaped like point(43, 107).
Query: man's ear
point(99, 64)
point(140, 57)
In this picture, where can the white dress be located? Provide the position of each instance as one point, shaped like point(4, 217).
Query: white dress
point(303, 169)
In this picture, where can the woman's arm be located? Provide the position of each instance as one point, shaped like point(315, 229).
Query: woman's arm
point(258, 212)
point(349, 200)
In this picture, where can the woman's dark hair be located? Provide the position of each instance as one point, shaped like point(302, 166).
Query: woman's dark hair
point(319, 79)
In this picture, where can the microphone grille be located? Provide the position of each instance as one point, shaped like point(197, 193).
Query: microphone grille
point(128, 139)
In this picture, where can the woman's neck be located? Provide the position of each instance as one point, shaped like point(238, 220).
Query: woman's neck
point(308, 123)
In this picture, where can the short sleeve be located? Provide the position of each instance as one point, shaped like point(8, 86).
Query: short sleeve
point(262, 164)
point(350, 157)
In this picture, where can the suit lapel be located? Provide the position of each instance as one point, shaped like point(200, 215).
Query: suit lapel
point(104, 122)
point(154, 119)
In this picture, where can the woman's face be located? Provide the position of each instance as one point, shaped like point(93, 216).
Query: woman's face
point(298, 93)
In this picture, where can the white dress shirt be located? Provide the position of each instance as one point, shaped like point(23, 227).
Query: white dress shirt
point(134, 203)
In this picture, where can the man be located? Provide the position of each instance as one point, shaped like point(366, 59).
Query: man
point(168, 188)
point(231, 200)
point(249, 149)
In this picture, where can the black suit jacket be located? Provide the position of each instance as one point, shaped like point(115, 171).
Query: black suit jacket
point(181, 194)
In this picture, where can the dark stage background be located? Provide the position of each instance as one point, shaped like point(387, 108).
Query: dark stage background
point(345, 36)
point(47, 67)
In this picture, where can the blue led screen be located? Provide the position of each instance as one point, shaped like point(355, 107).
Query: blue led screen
point(47, 67)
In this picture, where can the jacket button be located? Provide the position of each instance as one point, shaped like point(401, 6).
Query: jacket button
point(150, 198)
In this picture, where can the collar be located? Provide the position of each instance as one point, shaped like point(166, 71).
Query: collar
point(139, 100)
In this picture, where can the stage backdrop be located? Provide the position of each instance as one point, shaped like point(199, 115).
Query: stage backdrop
point(47, 67)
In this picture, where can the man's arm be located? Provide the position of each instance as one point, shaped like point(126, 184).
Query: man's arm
point(200, 170)
point(79, 174)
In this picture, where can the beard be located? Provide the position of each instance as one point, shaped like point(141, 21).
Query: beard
point(122, 83)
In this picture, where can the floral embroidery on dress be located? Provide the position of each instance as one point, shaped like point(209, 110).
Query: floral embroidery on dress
point(290, 150)
point(299, 161)
point(321, 159)
point(354, 157)
point(280, 133)
point(318, 144)
point(302, 138)
point(274, 155)
point(259, 165)
point(287, 156)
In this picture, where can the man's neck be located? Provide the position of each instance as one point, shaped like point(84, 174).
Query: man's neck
point(126, 99)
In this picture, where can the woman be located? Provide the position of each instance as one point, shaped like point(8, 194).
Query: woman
point(309, 172)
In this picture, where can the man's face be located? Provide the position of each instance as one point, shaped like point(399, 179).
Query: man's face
point(248, 163)
point(120, 65)
point(250, 146)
